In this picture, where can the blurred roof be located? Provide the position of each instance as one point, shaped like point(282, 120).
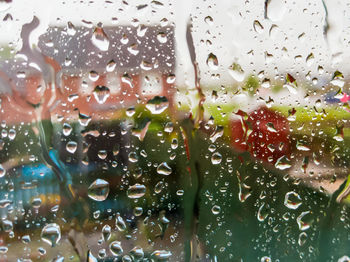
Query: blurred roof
point(131, 48)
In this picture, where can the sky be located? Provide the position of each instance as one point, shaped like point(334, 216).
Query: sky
point(288, 36)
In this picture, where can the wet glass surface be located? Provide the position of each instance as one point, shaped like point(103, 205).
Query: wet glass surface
point(174, 131)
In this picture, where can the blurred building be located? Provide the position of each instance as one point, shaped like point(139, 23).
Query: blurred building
point(96, 71)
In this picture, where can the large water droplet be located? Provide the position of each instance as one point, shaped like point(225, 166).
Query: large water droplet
point(216, 209)
point(111, 66)
point(292, 200)
point(164, 169)
point(101, 93)
point(258, 27)
point(162, 38)
point(212, 61)
point(141, 131)
point(67, 129)
point(84, 120)
point(237, 72)
point(137, 253)
point(275, 10)
point(71, 146)
point(161, 255)
point(157, 104)
point(263, 212)
point(282, 163)
point(100, 39)
point(71, 29)
point(98, 190)
point(159, 187)
point(216, 158)
point(305, 220)
point(136, 191)
point(51, 234)
point(106, 232)
point(120, 224)
point(116, 248)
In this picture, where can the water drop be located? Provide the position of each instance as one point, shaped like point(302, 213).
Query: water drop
point(216, 158)
point(145, 65)
point(157, 105)
point(130, 111)
point(212, 61)
point(102, 154)
point(101, 93)
point(98, 190)
point(138, 211)
point(262, 213)
point(282, 163)
point(162, 38)
point(305, 220)
point(258, 27)
point(84, 120)
point(310, 59)
point(292, 200)
point(219, 131)
point(116, 248)
point(2, 171)
point(159, 187)
point(111, 66)
point(71, 29)
point(209, 20)
point(71, 146)
point(164, 169)
point(120, 224)
point(133, 158)
point(12, 134)
point(237, 73)
point(216, 209)
point(93, 76)
point(161, 255)
point(137, 253)
point(136, 191)
point(67, 129)
point(302, 238)
point(100, 39)
point(51, 234)
point(106, 232)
